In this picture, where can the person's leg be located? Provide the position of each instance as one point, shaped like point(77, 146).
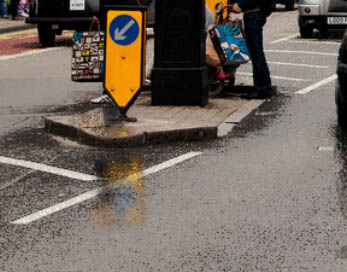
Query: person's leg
point(3, 8)
point(254, 23)
point(14, 8)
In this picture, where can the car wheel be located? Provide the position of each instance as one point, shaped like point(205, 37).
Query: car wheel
point(341, 110)
point(324, 33)
point(290, 4)
point(306, 31)
point(342, 115)
point(46, 35)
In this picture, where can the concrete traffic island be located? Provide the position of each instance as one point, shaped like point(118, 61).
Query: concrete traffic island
point(155, 124)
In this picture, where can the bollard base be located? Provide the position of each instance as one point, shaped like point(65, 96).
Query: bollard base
point(180, 86)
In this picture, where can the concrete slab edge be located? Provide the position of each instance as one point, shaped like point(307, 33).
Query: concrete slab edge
point(146, 138)
point(16, 28)
point(229, 123)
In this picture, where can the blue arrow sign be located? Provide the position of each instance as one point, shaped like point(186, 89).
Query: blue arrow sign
point(124, 30)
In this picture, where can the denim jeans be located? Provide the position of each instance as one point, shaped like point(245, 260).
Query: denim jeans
point(254, 22)
point(3, 7)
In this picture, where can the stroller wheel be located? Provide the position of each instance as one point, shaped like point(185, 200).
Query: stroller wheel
point(216, 88)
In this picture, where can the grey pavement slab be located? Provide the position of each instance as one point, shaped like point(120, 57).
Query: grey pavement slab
point(8, 25)
point(155, 124)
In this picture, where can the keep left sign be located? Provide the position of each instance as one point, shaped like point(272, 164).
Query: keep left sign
point(125, 54)
point(124, 30)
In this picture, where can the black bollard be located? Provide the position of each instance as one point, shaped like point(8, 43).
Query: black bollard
point(180, 75)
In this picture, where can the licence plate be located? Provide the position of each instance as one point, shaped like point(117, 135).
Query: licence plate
point(337, 20)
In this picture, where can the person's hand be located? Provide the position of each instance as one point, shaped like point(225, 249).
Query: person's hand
point(236, 8)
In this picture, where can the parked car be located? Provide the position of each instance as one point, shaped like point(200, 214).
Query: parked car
point(289, 4)
point(322, 15)
point(341, 84)
point(54, 16)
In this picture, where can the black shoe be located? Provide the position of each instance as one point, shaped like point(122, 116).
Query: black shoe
point(261, 95)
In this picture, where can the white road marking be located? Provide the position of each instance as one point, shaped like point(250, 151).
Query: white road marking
point(285, 38)
point(326, 149)
point(317, 85)
point(314, 41)
point(49, 169)
point(299, 65)
point(275, 77)
point(302, 52)
point(88, 195)
point(30, 53)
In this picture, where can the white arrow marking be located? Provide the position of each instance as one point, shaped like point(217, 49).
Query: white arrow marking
point(118, 35)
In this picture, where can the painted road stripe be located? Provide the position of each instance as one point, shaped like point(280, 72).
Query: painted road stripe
point(317, 85)
point(48, 169)
point(275, 77)
point(315, 41)
point(285, 38)
point(298, 65)
point(30, 53)
point(301, 52)
point(91, 194)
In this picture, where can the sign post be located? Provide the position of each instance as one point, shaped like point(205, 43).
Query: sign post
point(180, 74)
point(125, 55)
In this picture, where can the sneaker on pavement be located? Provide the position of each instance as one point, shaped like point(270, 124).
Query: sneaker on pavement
point(23, 14)
point(101, 99)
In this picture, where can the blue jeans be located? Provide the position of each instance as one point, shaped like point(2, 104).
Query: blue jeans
point(254, 22)
point(3, 7)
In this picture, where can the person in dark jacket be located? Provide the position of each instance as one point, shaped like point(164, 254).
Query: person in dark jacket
point(255, 13)
point(13, 9)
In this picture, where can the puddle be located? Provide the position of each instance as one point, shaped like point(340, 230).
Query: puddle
point(125, 204)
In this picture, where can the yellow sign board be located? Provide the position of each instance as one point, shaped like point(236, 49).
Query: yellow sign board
point(125, 55)
point(212, 4)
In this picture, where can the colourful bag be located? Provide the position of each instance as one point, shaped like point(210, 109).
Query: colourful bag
point(88, 56)
point(229, 43)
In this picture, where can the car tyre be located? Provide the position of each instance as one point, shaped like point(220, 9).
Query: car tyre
point(306, 31)
point(46, 35)
point(342, 116)
point(341, 110)
point(290, 5)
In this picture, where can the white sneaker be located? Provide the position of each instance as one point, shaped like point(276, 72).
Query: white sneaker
point(101, 99)
point(23, 14)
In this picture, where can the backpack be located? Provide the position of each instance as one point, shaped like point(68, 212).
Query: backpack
point(268, 6)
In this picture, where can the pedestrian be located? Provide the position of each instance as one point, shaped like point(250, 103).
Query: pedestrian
point(3, 9)
point(210, 20)
point(254, 16)
point(13, 10)
point(22, 8)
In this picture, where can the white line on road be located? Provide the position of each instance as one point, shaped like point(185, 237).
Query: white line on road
point(30, 53)
point(317, 85)
point(275, 77)
point(88, 195)
point(285, 38)
point(314, 41)
point(49, 169)
point(301, 52)
point(299, 65)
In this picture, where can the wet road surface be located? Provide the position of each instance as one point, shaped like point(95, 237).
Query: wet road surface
point(271, 196)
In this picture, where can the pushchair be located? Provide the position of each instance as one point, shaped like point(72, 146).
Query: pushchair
point(227, 50)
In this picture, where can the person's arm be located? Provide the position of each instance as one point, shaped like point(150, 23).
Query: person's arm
point(244, 5)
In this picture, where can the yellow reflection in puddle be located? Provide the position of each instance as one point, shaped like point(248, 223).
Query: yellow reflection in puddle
point(125, 204)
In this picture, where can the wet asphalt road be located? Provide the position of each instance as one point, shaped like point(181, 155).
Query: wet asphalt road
point(271, 196)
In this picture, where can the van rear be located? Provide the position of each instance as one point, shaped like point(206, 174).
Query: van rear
point(54, 16)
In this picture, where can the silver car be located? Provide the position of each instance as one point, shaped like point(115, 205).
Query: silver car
point(322, 15)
